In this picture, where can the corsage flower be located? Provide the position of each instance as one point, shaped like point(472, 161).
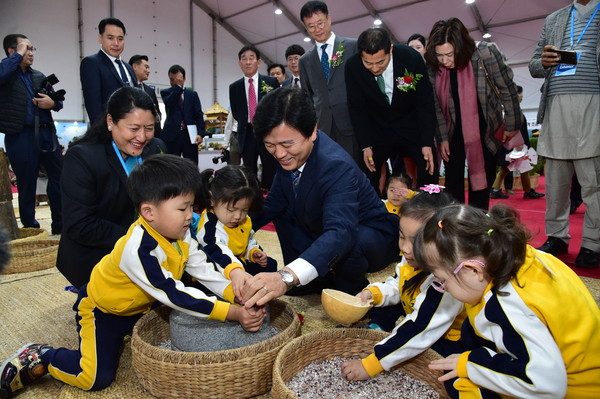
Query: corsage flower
point(264, 87)
point(408, 81)
point(336, 58)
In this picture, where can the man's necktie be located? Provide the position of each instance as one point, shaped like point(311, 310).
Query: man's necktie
point(295, 180)
point(182, 112)
point(325, 61)
point(251, 99)
point(295, 82)
point(122, 73)
point(381, 85)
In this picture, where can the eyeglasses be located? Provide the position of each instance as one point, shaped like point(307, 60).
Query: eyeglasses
point(319, 24)
point(293, 59)
point(440, 285)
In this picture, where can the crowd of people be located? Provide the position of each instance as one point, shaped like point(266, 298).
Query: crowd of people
point(142, 226)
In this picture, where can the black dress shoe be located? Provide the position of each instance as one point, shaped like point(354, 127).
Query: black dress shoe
point(587, 259)
point(555, 246)
point(532, 194)
point(498, 194)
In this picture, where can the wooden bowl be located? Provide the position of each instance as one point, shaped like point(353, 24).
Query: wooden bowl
point(343, 308)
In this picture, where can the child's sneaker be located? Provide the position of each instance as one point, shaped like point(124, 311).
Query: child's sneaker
point(21, 368)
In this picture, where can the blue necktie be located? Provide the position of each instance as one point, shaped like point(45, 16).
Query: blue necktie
point(325, 61)
point(295, 180)
point(123, 74)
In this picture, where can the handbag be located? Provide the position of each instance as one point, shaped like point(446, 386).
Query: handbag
point(517, 139)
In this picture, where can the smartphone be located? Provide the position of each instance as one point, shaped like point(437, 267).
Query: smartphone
point(566, 57)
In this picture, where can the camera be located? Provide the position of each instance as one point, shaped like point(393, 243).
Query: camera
point(46, 88)
point(224, 157)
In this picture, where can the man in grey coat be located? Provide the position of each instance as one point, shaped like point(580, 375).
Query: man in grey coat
point(569, 112)
point(322, 72)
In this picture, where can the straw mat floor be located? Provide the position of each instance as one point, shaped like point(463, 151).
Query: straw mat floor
point(34, 307)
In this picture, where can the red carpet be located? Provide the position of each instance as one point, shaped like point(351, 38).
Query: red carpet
point(532, 215)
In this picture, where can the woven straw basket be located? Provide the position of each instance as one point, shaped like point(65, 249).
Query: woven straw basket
point(30, 234)
point(342, 342)
point(31, 255)
point(234, 373)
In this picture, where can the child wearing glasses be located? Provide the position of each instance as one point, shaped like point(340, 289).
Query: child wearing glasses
point(433, 319)
point(533, 328)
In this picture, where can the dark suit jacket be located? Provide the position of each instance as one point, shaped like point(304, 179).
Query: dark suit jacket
point(96, 208)
point(329, 96)
point(409, 118)
point(192, 112)
point(239, 105)
point(152, 93)
point(99, 79)
point(289, 82)
point(334, 200)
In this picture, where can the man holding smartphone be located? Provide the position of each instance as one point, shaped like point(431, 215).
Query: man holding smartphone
point(570, 117)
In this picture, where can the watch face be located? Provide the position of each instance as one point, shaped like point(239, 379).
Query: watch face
point(287, 277)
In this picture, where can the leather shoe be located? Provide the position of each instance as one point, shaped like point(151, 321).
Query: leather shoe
point(532, 194)
point(555, 246)
point(587, 259)
point(498, 194)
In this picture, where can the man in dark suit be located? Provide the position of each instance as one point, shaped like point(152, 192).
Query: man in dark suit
point(244, 93)
point(292, 57)
point(183, 111)
point(322, 73)
point(103, 73)
point(331, 224)
point(141, 68)
point(390, 116)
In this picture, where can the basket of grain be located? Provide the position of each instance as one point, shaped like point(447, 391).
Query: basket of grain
point(31, 255)
point(236, 373)
point(31, 234)
point(308, 357)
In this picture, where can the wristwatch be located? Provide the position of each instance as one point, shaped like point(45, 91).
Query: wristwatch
point(287, 278)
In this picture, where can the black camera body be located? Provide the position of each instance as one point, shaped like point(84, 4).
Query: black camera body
point(46, 88)
point(224, 157)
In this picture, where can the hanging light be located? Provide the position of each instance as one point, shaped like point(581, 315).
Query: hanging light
point(306, 39)
point(469, 1)
point(278, 11)
point(377, 22)
point(487, 35)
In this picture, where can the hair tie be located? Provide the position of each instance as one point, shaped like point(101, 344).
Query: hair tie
point(212, 177)
point(432, 189)
point(440, 225)
point(490, 231)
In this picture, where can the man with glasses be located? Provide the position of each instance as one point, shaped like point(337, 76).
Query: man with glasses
point(292, 57)
point(30, 135)
point(322, 69)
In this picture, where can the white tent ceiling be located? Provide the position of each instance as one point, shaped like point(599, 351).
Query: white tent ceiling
point(515, 25)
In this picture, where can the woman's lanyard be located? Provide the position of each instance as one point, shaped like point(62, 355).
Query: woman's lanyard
point(127, 165)
point(584, 29)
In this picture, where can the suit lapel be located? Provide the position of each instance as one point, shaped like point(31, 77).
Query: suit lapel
point(108, 63)
point(114, 163)
point(336, 45)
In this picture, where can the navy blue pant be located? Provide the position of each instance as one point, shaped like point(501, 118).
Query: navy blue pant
point(93, 366)
point(25, 158)
point(182, 146)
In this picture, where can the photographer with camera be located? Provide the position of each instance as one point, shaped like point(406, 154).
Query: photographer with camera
point(26, 99)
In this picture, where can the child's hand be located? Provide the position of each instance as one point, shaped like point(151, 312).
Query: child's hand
point(449, 363)
point(260, 257)
point(353, 370)
point(250, 319)
point(238, 280)
point(365, 296)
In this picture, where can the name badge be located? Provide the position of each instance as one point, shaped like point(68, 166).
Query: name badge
point(567, 69)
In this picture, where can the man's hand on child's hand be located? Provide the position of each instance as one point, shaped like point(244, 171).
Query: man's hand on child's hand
point(353, 370)
point(448, 363)
point(250, 319)
point(238, 280)
point(365, 296)
point(260, 257)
